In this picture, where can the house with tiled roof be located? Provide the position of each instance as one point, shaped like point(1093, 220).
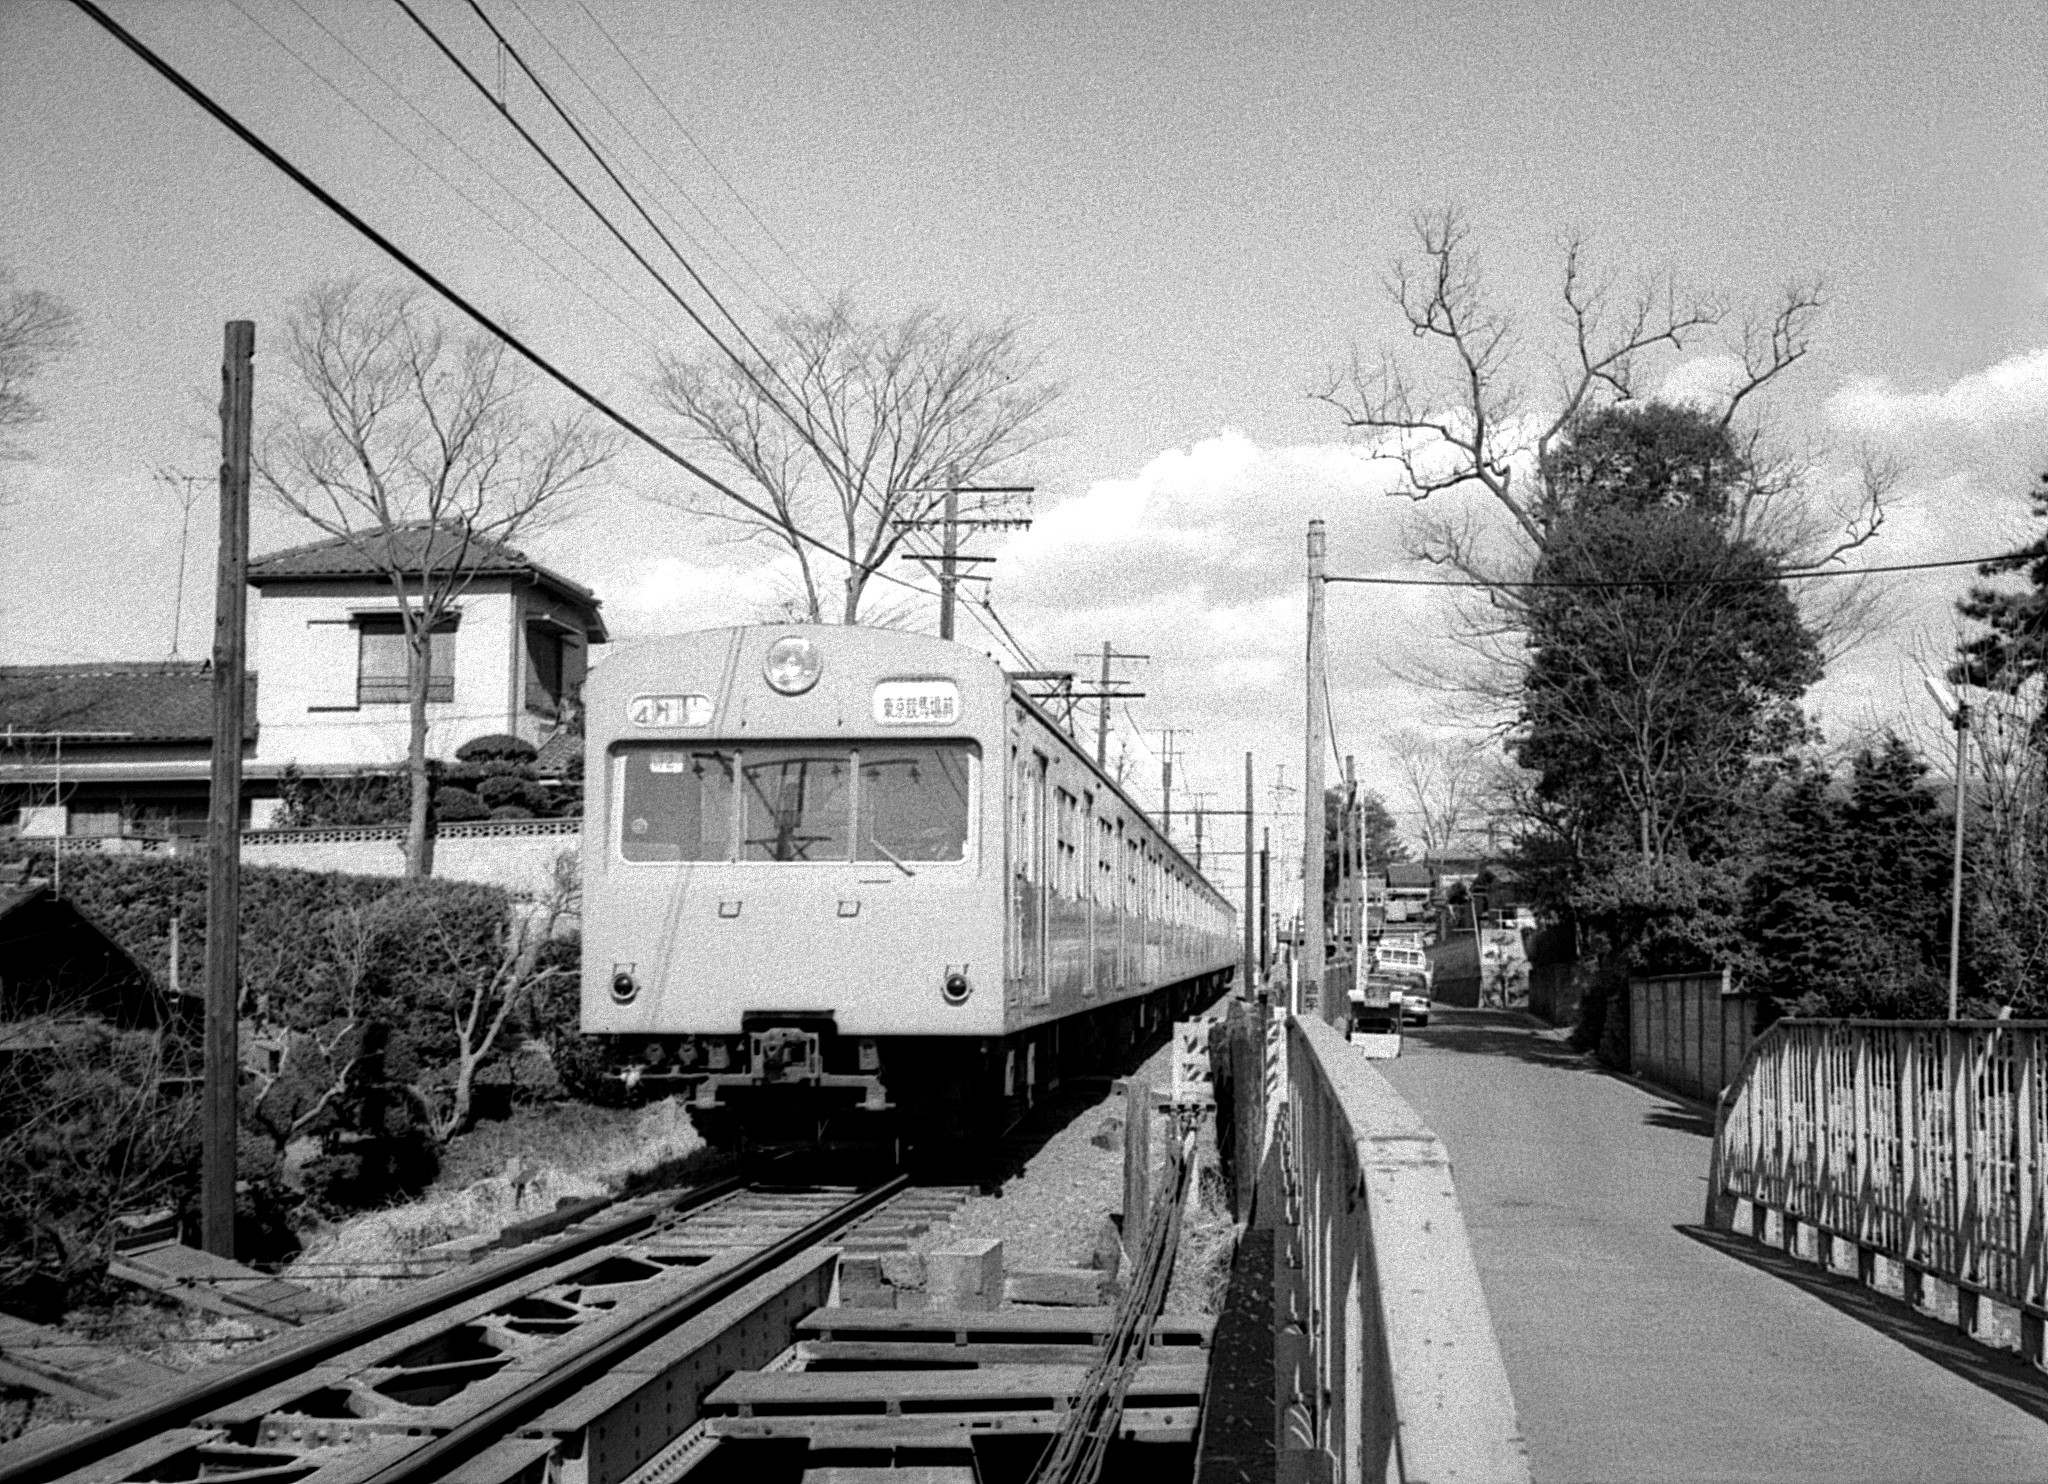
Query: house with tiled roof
point(113, 748)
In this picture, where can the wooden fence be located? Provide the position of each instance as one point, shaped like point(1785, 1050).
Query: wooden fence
point(1918, 1142)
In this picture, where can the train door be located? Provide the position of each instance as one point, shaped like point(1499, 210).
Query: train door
point(1027, 878)
point(1088, 893)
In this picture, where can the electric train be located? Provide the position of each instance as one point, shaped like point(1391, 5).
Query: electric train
point(843, 881)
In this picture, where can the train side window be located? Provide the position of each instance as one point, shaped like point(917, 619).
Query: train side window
point(796, 803)
point(1105, 865)
point(914, 802)
point(676, 805)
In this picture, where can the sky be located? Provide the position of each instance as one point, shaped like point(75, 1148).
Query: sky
point(1191, 208)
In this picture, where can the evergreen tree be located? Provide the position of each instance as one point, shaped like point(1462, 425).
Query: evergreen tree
point(1849, 909)
point(2016, 648)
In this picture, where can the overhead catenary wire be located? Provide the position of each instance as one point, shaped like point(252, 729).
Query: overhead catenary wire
point(447, 291)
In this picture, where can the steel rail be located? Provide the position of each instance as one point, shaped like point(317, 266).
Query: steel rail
point(66, 1452)
point(498, 1420)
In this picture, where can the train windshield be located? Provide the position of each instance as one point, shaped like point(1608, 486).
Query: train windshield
point(913, 803)
point(678, 805)
point(796, 803)
point(896, 802)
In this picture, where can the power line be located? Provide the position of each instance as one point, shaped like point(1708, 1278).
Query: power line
point(447, 291)
point(803, 425)
point(655, 160)
point(1794, 575)
point(434, 170)
point(595, 210)
point(702, 153)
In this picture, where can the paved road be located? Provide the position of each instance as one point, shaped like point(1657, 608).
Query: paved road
point(1640, 1348)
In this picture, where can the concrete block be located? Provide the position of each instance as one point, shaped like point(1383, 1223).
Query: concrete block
point(867, 1298)
point(1078, 1287)
point(462, 1249)
point(903, 1269)
point(859, 1272)
point(966, 1275)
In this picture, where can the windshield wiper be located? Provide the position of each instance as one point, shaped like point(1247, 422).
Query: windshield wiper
point(890, 856)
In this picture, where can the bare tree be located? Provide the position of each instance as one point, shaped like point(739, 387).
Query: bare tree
point(849, 432)
point(1462, 414)
point(35, 328)
point(492, 995)
point(1452, 788)
point(421, 449)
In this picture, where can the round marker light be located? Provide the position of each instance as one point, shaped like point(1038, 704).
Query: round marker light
point(625, 988)
point(793, 665)
point(956, 988)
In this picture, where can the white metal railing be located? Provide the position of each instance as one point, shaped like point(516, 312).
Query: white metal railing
point(1389, 1366)
point(1918, 1141)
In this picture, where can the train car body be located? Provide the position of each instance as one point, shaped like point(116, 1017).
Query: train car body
point(834, 871)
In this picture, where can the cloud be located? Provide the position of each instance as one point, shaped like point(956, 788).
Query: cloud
point(2013, 392)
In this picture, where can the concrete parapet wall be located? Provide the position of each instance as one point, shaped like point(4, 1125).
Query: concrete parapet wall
point(1385, 1338)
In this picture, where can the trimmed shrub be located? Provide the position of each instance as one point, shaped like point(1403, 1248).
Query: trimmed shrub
point(452, 805)
point(498, 747)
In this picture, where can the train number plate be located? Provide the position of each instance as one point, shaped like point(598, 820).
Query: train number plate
point(669, 711)
point(917, 703)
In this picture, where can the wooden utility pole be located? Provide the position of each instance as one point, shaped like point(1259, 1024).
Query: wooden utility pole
point(1312, 821)
point(1250, 983)
point(224, 823)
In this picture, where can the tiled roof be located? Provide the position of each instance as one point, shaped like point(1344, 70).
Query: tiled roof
point(408, 548)
point(152, 701)
point(556, 751)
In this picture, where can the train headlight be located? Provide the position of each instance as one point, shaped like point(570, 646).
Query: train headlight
point(625, 988)
point(956, 989)
point(793, 665)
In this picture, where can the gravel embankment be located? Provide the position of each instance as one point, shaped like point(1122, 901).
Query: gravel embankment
point(1056, 1211)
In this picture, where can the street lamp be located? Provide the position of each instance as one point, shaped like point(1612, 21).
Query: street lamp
point(1957, 710)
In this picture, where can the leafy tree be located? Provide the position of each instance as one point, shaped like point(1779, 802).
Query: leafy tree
point(1660, 691)
point(1370, 843)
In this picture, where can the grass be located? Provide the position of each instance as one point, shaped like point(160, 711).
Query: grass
point(500, 1173)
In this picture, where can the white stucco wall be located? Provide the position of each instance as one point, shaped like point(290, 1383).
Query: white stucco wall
point(305, 650)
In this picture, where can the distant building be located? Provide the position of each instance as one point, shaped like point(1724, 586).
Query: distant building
point(124, 747)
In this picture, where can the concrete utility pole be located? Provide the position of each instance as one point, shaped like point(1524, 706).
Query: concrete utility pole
point(1166, 735)
point(1265, 901)
point(1250, 982)
point(949, 526)
point(1312, 821)
point(1104, 694)
point(224, 824)
point(948, 563)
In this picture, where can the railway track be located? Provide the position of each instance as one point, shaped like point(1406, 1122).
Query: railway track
point(661, 1338)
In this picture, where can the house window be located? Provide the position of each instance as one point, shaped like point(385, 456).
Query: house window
point(384, 660)
point(545, 670)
